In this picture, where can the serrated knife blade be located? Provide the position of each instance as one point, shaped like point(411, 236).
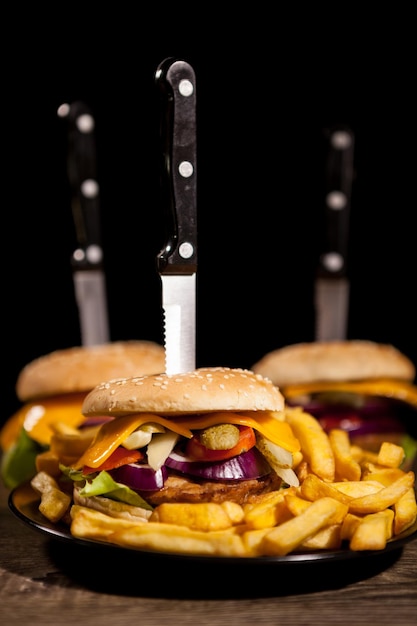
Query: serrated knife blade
point(332, 284)
point(177, 261)
point(87, 259)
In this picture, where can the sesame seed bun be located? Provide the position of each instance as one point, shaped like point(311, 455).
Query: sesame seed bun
point(200, 391)
point(334, 361)
point(80, 369)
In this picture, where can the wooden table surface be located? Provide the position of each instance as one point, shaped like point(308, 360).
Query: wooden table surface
point(46, 580)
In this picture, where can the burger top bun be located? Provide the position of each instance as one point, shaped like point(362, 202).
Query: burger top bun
point(334, 361)
point(200, 391)
point(81, 368)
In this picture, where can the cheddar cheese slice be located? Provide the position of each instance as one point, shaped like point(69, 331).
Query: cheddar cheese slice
point(112, 434)
point(38, 417)
point(383, 387)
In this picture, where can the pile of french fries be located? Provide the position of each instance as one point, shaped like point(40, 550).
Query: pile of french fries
point(347, 498)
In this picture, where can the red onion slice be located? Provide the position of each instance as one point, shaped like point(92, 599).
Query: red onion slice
point(361, 425)
point(140, 477)
point(250, 464)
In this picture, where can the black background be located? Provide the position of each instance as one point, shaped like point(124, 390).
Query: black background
point(268, 84)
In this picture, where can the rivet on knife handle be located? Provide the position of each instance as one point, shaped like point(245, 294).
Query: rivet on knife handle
point(87, 259)
point(177, 261)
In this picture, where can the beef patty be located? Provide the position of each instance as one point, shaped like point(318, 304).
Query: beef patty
point(181, 489)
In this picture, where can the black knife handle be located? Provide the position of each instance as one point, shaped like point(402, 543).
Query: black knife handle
point(177, 90)
point(339, 174)
point(82, 175)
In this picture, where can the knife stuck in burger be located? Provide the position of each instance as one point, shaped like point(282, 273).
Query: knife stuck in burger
point(363, 387)
point(177, 261)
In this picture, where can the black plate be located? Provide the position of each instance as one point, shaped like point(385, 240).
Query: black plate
point(24, 502)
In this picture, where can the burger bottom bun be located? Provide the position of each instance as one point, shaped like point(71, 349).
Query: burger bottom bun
point(111, 507)
point(334, 361)
point(200, 391)
point(81, 368)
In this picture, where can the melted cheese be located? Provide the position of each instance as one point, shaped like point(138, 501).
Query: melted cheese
point(384, 387)
point(38, 417)
point(111, 434)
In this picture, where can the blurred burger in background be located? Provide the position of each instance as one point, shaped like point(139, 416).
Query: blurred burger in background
point(52, 389)
point(360, 386)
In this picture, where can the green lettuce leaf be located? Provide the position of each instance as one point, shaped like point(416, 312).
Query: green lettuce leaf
point(18, 463)
point(103, 485)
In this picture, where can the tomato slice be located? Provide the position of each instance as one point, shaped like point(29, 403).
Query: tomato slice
point(196, 450)
point(121, 456)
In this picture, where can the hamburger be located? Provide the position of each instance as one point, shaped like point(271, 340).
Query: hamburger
point(363, 387)
point(52, 389)
point(210, 435)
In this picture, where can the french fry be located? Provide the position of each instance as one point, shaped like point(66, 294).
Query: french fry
point(270, 512)
point(269, 497)
point(69, 446)
point(302, 470)
point(91, 524)
point(291, 534)
point(390, 454)
point(179, 539)
point(314, 488)
point(349, 525)
point(328, 538)
point(363, 456)
point(358, 488)
point(234, 511)
point(346, 466)
point(48, 462)
point(296, 505)
point(384, 475)
point(54, 503)
point(42, 482)
point(252, 541)
point(373, 531)
point(315, 443)
point(386, 497)
point(405, 511)
point(203, 516)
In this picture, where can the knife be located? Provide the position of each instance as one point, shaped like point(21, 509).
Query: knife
point(177, 260)
point(87, 259)
point(332, 280)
